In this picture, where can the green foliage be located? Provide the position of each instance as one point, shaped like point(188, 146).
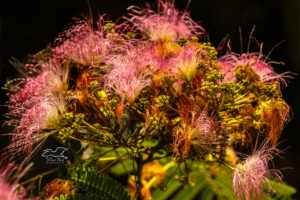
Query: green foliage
point(80, 197)
point(207, 184)
point(280, 190)
point(92, 185)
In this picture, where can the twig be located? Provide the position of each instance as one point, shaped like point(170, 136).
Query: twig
point(39, 176)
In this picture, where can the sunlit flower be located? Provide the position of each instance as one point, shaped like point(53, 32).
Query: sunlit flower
point(44, 114)
point(36, 104)
point(167, 24)
point(185, 63)
point(273, 115)
point(10, 175)
point(82, 44)
point(257, 63)
point(251, 176)
point(203, 127)
point(129, 74)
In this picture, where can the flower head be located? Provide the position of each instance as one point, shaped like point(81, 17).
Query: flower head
point(129, 73)
point(257, 63)
point(36, 103)
point(44, 114)
point(273, 115)
point(52, 79)
point(83, 44)
point(203, 127)
point(251, 176)
point(10, 175)
point(185, 63)
point(197, 128)
point(166, 24)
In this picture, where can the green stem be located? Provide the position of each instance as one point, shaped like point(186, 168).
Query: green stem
point(110, 164)
point(90, 126)
point(122, 163)
point(39, 176)
point(139, 185)
point(172, 108)
point(91, 142)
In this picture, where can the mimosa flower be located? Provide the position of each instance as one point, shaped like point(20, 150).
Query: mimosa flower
point(51, 80)
point(273, 115)
point(203, 128)
point(197, 128)
point(167, 24)
point(130, 73)
point(36, 103)
point(42, 115)
point(86, 45)
point(258, 64)
point(251, 176)
point(185, 63)
point(82, 45)
point(10, 175)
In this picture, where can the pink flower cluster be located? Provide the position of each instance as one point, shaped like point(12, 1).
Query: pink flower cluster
point(258, 64)
point(10, 175)
point(130, 72)
point(82, 44)
point(125, 66)
point(37, 101)
point(165, 24)
point(252, 176)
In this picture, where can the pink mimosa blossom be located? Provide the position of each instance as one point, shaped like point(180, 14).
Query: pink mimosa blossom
point(199, 121)
point(10, 175)
point(86, 45)
point(258, 64)
point(36, 103)
point(251, 176)
point(166, 24)
point(197, 128)
point(130, 73)
point(51, 80)
point(44, 114)
point(6, 192)
point(185, 64)
point(204, 126)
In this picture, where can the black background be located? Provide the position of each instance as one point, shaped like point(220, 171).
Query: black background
point(27, 26)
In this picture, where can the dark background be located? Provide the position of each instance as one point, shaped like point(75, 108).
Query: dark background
point(27, 26)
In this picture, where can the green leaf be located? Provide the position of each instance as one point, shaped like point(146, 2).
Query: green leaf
point(282, 188)
point(190, 192)
point(119, 168)
point(89, 181)
point(172, 187)
point(224, 182)
point(207, 194)
point(150, 143)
